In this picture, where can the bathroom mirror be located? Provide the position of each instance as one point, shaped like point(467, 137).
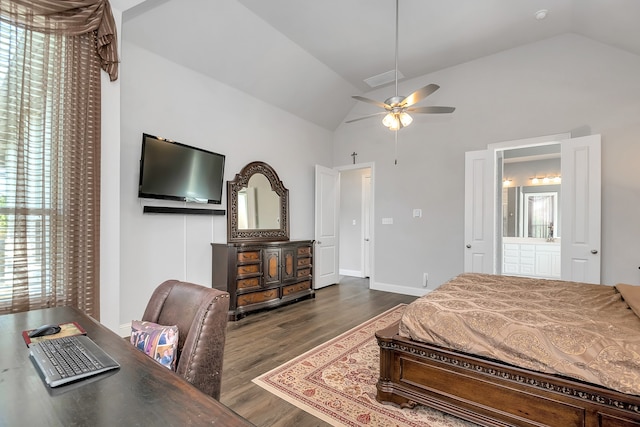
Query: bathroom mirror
point(257, 205)
point(531, 211)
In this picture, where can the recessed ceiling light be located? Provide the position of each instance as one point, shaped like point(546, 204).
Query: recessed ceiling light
point(541, 14)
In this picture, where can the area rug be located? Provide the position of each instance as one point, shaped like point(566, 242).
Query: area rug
point(336, 382)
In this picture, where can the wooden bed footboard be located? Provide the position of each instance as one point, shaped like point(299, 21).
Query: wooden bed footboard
point(490, 393)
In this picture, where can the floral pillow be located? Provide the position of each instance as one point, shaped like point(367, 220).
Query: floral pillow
point(156, 341)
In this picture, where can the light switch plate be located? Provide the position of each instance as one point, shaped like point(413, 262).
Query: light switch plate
point(417, 213)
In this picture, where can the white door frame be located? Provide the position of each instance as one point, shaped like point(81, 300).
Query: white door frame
point(371, 167)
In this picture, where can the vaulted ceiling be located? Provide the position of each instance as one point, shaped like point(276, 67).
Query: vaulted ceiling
point(309, 57)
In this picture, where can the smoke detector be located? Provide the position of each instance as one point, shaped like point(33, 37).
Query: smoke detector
point(541, 14)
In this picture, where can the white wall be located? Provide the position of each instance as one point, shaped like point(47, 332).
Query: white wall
point(168, 100)
point(563, 84)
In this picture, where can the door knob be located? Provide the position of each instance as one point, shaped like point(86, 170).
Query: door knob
point(319, 242)
point(468, 245)
point(593, 251)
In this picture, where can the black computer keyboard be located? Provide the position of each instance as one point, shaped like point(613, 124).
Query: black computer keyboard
point(66, 359)
point(69, 357)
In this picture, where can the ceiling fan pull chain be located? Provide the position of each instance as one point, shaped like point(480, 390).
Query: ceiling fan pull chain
point(396, 148)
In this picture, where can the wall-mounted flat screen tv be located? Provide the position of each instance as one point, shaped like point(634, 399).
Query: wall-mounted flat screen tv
point(174, 171)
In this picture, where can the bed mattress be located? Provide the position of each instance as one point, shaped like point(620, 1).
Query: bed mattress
point(583, 331)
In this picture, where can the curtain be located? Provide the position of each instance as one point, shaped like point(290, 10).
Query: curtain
point(51, 53)
point(70, 18)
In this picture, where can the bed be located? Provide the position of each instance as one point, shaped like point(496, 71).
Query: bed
point(503, 350)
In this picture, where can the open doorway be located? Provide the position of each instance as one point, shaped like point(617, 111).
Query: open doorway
point(529, 239)
point(578, 208)
point(355, 224)
point(344, 235)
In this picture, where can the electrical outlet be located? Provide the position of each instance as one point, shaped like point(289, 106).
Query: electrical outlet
point(425, 279)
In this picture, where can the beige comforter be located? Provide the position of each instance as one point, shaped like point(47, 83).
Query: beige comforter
point(580, 330)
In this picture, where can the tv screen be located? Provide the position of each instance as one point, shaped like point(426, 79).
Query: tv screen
point(174, 171)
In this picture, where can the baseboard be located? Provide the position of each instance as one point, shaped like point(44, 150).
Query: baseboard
point(396, 289)
point(124, 330)
point(352, 273)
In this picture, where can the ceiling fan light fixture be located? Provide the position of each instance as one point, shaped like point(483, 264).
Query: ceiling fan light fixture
point(405, 119)
point(395, 121)
point(391, 121)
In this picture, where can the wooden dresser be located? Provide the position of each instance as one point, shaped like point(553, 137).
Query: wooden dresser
point(262, 275)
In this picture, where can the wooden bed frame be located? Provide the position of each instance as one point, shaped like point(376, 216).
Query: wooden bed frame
point(491, 393)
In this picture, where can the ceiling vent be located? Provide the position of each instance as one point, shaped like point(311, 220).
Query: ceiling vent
point(384, 78)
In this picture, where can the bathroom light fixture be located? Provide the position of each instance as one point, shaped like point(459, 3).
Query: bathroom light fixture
point(549, 179)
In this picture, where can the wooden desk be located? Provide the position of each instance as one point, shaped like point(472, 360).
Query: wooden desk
point(140, 393)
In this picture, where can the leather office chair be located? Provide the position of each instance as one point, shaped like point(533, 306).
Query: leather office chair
point(201, 316)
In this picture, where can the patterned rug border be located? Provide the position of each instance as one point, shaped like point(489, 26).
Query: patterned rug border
point(259, 380)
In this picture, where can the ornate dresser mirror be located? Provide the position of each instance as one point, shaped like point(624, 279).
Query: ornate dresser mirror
point(257, 205)
point(259, 266)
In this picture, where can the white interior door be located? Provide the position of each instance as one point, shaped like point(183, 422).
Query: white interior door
point(327, 227)
point(478, 216)
point(580, 209)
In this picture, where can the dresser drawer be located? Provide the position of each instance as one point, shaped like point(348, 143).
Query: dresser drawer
point(295, 288)
point(304, 272)
point(304, 261)
point(262, 275)
point(252, 282)
point(248, 256)
point(256, 297)
point(304, 251)
point(248, 269)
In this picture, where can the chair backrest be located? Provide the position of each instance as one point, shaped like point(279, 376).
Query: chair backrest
point(201, 316)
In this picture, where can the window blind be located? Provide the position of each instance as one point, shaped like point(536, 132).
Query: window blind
point(49, 170)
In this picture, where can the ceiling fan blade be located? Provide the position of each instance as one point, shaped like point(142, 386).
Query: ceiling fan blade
point(366, 117)
point(432, 110)
point(371, 101)
point(419, 95)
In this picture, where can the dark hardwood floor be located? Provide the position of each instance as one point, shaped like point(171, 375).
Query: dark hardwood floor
point(265, 340)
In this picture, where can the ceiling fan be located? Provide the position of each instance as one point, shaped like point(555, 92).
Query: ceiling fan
point(397, 108)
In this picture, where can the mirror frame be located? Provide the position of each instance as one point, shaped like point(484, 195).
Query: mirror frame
point(240, 181)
